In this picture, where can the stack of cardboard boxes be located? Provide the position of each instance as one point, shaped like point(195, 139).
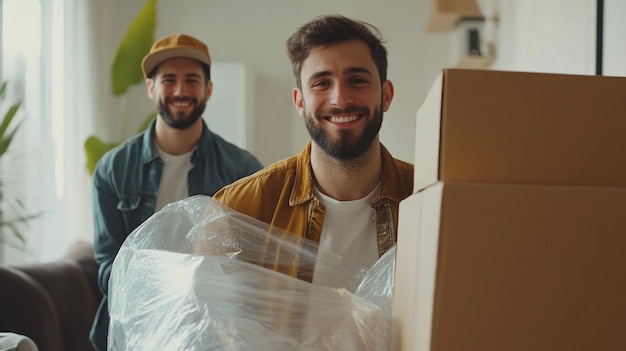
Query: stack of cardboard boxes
point(515, 236)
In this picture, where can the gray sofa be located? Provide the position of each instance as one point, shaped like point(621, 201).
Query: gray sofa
point(53, 303)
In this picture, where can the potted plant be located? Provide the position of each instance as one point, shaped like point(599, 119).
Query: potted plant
point(12, 212)
point(125, 73)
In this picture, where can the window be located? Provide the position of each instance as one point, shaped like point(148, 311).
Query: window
point(22, 69)
point(43, 167)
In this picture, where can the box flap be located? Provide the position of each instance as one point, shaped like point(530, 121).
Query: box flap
point(516, 127)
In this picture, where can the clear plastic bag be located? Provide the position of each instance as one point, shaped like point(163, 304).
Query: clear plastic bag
point(200, 276)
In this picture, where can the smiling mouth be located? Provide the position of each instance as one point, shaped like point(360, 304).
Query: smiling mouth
point(343, 119)
point(181, 104)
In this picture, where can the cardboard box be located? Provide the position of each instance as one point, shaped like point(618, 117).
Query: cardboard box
point(491, 267)
point(514, 127)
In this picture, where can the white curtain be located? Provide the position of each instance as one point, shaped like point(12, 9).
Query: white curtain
point(72, 120)
point(55, 180)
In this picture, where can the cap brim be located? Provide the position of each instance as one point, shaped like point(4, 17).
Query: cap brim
point(154, 59)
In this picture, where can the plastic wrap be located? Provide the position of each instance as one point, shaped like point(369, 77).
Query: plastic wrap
point(200, 276)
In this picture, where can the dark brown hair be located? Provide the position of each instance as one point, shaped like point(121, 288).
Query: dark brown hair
point(332, 29)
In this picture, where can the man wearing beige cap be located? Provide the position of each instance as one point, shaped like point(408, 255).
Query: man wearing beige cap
point(178, 156)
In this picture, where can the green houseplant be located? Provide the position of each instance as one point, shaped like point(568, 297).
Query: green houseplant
point(12, 212)
point(125, 73)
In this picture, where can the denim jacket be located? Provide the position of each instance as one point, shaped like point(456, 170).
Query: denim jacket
point(282, 196)
point(125, 185)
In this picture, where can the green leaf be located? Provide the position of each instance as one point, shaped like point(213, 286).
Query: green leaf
point(10, 227)
point(95, 148)
point(13, 227)
point(8, 117)
point(146, 122)
point(126, 66)
point(126, 72)
point(3, 89)
point(5, 140)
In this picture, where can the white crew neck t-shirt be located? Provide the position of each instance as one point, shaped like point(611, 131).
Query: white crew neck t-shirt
point(173, 185)
point(350, 231)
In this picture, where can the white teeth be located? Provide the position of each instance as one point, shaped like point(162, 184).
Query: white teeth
point(343, 119)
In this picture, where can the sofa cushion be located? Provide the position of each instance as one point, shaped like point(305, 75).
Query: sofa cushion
point(53, 303)
point(27, 309)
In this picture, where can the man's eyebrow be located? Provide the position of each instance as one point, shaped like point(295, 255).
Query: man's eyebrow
point(321, 74)
point(358, 70)
point(188, 75)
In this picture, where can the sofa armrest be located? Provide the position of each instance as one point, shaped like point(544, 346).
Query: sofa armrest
point(27, 309)
point(52, 303)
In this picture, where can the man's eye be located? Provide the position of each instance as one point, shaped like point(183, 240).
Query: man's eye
point(321, 84)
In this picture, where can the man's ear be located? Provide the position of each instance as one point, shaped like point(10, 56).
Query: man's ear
point(298, 101)
point(387, 94)
point(150, 87)
point(209, 89)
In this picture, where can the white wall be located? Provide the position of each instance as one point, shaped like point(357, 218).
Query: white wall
point(614, 53)
point(532, 35)
point(230, 111)
point(556, 36)
point(254, 33)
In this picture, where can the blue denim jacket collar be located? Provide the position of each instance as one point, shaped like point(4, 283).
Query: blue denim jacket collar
point(149, 153)
point(202, 150)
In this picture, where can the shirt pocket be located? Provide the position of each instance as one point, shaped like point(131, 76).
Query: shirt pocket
point(135, 209)
point(129, 203)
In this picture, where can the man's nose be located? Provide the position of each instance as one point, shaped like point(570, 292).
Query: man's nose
point(341, 96)
point(180, 89)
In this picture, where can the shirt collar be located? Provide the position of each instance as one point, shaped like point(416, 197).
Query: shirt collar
point(391, 186)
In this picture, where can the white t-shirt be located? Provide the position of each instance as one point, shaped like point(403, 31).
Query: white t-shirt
point(173, 185)
point(350, 231)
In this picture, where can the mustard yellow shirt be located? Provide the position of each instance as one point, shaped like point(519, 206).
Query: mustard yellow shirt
point(282, 195)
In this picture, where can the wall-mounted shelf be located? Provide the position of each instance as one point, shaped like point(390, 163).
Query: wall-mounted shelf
point(466, 19)
point(476, 62)
point(445, 14)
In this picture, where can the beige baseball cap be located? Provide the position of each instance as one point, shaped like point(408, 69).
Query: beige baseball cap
point(178, 45)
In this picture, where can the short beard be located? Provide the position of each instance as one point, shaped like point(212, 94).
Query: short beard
point(347, 147)
point(184, 123)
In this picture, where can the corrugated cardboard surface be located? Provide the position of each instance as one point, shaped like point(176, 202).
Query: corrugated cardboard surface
point(511, 267)
point(517, 127)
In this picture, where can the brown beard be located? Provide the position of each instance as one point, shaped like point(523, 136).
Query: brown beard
point(171, 120)
point(347, 147)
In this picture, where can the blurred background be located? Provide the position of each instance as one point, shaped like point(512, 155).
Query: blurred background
point(56, 57)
